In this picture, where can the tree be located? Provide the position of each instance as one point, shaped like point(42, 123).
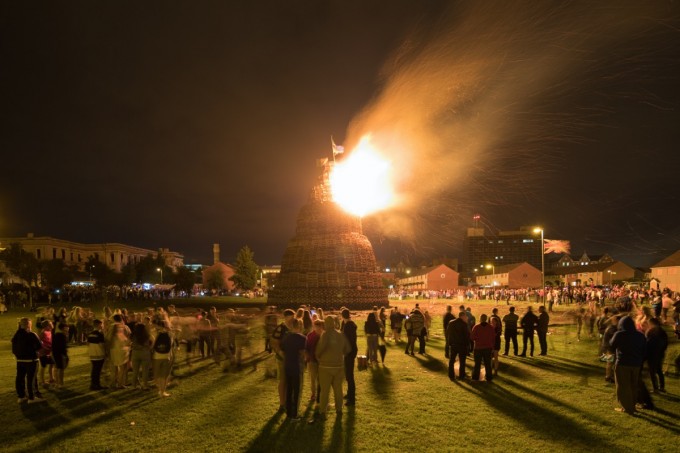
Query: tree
point(245, 270)
point(214, 279)
point(22, 264)
point(185, 279)
point(99, 271)
point(147, 269)
point(55, 273)
point(128, 274)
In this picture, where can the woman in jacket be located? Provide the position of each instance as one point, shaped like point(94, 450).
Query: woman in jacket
point(372, 330)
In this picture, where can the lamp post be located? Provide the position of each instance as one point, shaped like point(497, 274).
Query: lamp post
point(493, 273)
point(540, 230)
point(610, 277)
point(160, 269)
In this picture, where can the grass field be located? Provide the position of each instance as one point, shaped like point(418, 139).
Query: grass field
point(554, 403)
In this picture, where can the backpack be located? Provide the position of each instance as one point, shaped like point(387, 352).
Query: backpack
point(162, 344)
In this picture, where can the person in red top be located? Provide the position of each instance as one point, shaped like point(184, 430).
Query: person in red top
point(484, 336)
point(310, 358)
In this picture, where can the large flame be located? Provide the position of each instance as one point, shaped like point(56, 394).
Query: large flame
point(361, 183)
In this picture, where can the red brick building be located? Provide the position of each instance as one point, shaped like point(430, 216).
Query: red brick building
point(437, 278)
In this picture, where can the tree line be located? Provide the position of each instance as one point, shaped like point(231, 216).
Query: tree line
point(55, 273)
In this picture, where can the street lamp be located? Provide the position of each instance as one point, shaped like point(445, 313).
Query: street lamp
point(492, 267)
point(540, 230)
point(160, 269)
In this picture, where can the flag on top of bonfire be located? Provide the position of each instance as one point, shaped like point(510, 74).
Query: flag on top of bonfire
point(336, 148)
point(556, 246)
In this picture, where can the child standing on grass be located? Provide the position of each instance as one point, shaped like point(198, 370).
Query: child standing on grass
point(60, 352)
point(293, 347)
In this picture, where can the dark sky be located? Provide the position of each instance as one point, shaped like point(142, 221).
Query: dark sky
point(181, 124)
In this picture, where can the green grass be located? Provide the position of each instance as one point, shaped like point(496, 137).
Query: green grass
point(557, 403)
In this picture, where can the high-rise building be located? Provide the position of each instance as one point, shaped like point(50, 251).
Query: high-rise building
point(485, 250)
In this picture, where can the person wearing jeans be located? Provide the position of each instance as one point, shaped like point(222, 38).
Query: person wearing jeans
point(484, 336)
point(25, 347)
point(349, 329)
point(331, 349)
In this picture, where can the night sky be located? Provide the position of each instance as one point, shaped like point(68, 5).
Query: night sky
point(183, 124)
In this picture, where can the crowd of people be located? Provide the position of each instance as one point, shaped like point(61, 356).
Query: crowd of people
point(136, 346)
point(631, 335)
point(142, 346)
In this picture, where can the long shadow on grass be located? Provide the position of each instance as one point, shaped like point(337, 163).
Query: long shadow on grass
point(349, 431)
point(381, 381)
point(565, 366)
point(288, 435)
point(342, 437)
point(336, 436)
point(653, 418)
point(44, 416)
point(553, 402)
point(432, 363)
point(545, 422)
point(80, 404)
point(508, 368)
point(267, 438)
point(93, 420)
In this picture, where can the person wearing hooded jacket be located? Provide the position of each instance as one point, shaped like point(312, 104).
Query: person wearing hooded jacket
point(25, 347)
point(331, 350)
point(458, 339)
point(528, 323)
point(631, 348)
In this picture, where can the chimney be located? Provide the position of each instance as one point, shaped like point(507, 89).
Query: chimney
point(216, 253)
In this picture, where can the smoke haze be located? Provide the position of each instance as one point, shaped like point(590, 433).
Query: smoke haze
point(482, 108)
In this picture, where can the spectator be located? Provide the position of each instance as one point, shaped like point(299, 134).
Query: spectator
point(60, 353)
point(528, 323)
point(279, 333)
point(162, 357)
point(542, 330)
point(496, 324)
point(372, 331)
point(511, 320)
point(630, 346)
point(97, 352)
point(396, 322)
point(25, 347)
point(312, 361)
point(140, 355)
point(448, 317)
point(458, 338)
point(657, 342)
point(349, 329)
point(293, 347)
point(333, 346)
point(45, 354)
point(483, 335)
